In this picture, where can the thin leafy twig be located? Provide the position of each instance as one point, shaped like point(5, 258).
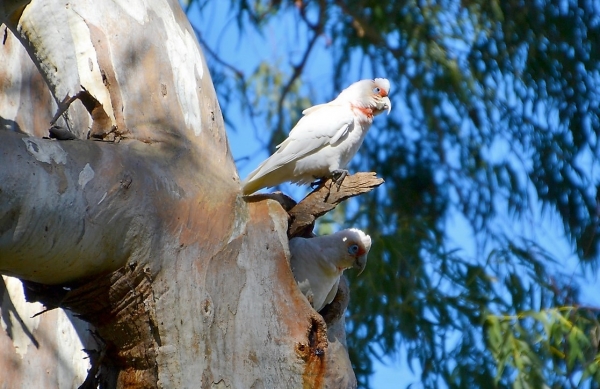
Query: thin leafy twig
point(317, 29)
point(239, 74)
point(215, 56)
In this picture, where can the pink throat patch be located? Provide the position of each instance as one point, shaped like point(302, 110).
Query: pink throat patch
point(368, 112)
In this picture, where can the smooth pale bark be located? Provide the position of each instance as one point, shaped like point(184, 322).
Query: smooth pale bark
point(138, 225)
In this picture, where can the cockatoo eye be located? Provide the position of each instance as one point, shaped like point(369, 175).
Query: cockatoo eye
point(353, 249)
point(376, 89)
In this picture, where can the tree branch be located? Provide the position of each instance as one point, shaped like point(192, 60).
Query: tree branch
point(325, 198)
point(317, 29)
point(207, 49)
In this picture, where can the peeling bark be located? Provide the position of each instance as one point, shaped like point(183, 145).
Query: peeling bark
point(44, 351)
point(121, 308)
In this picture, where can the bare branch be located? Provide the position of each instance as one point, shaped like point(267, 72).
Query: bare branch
point(238, 73)
point(325, 198)
point(362, 27)
point(317, 29)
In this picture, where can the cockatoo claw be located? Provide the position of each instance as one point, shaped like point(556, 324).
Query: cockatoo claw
point(338, 176)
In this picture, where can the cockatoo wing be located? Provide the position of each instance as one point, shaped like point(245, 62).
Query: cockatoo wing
point(318, 128)
point(306, 291)
point(331, 294)
point(314, 108)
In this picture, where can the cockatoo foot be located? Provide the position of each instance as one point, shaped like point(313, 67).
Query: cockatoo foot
point(337, 177)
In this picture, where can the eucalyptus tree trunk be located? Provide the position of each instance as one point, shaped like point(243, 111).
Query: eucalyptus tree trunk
point(129, 225)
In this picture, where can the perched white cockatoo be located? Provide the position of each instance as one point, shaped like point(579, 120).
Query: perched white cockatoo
point(318, 263)
point(325, 139)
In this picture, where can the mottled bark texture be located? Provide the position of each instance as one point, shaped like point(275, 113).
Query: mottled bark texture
point(132, 220)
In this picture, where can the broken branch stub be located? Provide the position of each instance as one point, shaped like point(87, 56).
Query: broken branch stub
point(325, 198)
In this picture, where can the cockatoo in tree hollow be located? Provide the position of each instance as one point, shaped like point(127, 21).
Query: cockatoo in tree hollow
point(325, 139)
point(318, 263)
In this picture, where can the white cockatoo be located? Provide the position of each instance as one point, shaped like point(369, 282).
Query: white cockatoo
point(325, 139)
point(318, 263)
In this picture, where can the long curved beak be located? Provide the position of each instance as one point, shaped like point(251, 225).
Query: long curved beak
point(385, 104)
point(360, 263)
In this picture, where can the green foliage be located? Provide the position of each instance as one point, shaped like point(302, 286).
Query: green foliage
point(496, 116)
point(533, 340)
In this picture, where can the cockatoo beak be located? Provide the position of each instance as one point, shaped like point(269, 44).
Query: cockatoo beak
point(387, 104)
point(360, 263)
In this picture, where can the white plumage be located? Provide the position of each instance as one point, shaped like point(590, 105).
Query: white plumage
point(325, 139)
point(318, 263)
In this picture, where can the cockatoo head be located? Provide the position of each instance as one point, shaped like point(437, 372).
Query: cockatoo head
point(356, 245)
point(371, 94)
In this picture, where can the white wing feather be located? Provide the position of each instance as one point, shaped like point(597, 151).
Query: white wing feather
point(331, 295)
point(319, 127)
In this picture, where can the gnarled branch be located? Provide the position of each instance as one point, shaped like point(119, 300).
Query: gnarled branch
point(325, 198)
